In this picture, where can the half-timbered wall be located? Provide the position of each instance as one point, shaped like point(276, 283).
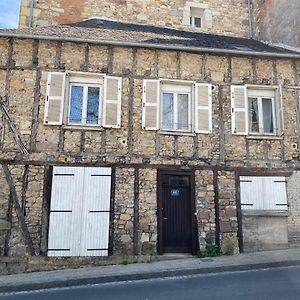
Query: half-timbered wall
point(134, 154)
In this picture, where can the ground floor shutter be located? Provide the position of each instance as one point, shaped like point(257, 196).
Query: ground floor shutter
point(263, 193)
point(79, 212)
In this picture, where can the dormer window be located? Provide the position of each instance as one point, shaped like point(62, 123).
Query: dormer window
point(196, 22)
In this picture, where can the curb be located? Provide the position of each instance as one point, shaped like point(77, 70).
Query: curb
point(141, 276)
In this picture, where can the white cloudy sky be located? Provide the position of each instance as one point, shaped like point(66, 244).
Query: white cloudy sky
point(9, 13)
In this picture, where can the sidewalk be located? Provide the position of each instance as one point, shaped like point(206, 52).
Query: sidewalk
point(167, 268)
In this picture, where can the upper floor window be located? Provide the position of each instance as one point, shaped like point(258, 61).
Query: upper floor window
point(180, 106)
point(83, 99)
point(196, 22)
point(256, 110)
point(176, 109)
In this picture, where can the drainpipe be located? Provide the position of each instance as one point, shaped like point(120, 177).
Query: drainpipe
point(31, 13)
point(250, 19)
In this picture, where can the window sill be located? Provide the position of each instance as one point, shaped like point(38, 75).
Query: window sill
point(178, 133)
point(265, 213)
point(264, 137)
point(83, 127)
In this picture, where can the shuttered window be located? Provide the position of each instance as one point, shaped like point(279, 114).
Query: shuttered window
point(182, 106)
point(79, 212)
point(256, 110)
point(263, 193)
point(84, 99)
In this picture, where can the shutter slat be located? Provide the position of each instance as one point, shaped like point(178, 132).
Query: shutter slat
point(150, 115)
point(239, 110)
point(112, 102)
point(55, 97)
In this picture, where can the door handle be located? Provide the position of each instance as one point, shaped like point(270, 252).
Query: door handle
point(165, 218)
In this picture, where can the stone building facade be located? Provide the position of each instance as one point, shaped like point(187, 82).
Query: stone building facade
point(230, 18)
point(214, 155)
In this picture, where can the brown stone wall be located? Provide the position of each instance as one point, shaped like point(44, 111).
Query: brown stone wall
point(136, 153)
point(230, 18)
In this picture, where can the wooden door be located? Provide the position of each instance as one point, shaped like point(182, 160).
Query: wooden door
point(176, 213)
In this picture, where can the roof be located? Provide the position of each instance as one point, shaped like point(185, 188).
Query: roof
point(103, 31)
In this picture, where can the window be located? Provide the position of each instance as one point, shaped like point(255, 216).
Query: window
point(196, 22)
point(256, 110)
point(83, 99)
point(180, 106)
point(263, 193)
point(176, 109)
point(84, 103)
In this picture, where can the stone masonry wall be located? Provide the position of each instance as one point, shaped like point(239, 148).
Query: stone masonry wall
point(230, 18)
point(293, 193)
point(135, 153)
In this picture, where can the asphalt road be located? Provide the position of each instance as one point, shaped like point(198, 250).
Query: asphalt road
point(281, 283)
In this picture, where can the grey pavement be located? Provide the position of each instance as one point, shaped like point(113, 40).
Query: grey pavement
point(157, 269)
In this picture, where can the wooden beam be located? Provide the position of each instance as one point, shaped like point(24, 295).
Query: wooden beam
point(18, 210)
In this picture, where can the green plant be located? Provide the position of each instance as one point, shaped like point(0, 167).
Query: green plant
point(211, 250)
point(125, 262)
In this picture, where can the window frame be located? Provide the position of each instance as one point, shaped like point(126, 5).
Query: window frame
point(84, 103)
point(261, 128)
point(193, 23)
point(175, 110)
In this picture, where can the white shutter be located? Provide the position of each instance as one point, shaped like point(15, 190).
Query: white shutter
point(65, 212)
point(279, 111)
point(96, 212)
point(150, 115)
point(203, 108)
point(239, 110)
point(55, 95)
point(263, 193)
point(112, 102)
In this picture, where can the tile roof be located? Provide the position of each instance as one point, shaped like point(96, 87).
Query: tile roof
point(105, 31)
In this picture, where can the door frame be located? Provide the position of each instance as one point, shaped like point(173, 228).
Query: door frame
point(193, 214)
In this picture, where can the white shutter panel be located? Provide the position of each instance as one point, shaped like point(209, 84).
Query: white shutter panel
point(279, 111)
point(96, 212)
point(112, 102)
point(277, 198)
point(150, 115)
point(203, 108)
point(55, 95)
point(248, 199)
point(65, 212)
point(239, 110)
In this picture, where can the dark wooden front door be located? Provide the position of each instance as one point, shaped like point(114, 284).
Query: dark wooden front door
point(176, 214)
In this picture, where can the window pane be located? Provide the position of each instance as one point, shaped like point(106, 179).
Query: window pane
point(183, 111)
point(76, 104)
point(253, 115)
point(92, 115)
point(197, 22)
point(267, 115)
point(167, 117)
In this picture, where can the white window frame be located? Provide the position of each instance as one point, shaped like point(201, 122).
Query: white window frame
point(175, 90)
point(81, 82)
point(193, 23)
point(261, 116)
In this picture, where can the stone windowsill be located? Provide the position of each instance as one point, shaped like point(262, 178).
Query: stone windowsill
point(265, 213)
point(265, 137)
point(178, 133)
point(82, 128)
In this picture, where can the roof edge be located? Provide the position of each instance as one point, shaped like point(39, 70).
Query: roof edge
point(152, 46)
